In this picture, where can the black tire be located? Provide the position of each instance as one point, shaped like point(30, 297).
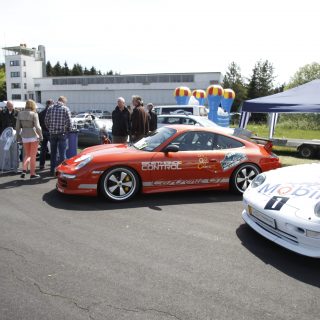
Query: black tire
point(119, 184)
point(306, 151)
point(242, 177)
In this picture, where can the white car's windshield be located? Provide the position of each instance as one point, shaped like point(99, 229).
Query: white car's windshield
point(155, 139)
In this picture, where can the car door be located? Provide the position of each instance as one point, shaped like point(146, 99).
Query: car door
point(196, 164)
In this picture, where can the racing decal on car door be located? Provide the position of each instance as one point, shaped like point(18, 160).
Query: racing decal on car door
point(232, 159)
point(276, 203)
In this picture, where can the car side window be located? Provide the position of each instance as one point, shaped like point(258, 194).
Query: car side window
point(194, 140)
point(224, 142)
point(174, 120)
point(161, 120)
point(188, 121)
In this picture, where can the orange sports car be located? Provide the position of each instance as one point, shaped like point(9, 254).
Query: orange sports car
point(173, 158)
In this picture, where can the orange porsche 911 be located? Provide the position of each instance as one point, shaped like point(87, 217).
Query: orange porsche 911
point(173, 158)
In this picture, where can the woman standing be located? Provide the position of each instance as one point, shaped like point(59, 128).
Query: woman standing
point(29, 131)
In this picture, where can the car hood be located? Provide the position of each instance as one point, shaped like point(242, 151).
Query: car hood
point(298, 185)
point(106, 149)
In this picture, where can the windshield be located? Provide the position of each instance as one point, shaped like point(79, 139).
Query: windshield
point(155, 139)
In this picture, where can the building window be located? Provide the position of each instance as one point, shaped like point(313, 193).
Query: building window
point(15, 74)
point(25, 97)
point(15, 63)
point(25, 74)
point(15, 85)
point(31, 96)
point(16, 97)
point(25, 86)
point(24, 63)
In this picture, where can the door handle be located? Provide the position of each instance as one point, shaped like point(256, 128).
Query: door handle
point(213, 160)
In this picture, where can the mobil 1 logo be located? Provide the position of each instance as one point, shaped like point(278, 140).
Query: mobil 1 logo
point(276, 203)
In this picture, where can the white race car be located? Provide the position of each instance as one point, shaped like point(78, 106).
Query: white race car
point(283, 205)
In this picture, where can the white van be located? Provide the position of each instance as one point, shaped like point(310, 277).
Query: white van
point(182, 109)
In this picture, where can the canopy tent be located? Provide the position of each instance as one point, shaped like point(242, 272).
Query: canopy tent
point(305, 98)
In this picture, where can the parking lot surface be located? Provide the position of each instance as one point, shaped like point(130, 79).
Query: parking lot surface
point(167, 256)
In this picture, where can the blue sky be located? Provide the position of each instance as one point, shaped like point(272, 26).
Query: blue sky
point(167, 36)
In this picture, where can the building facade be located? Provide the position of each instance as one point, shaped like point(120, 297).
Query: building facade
point(93, 92)
point(22, 66)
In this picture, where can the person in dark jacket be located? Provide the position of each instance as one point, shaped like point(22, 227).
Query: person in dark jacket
point(139, 120)
point(120, 122)
point(45, 133)
point(9, 116)
point(152, 118)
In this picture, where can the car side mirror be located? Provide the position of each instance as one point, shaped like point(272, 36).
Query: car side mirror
point(171, 148)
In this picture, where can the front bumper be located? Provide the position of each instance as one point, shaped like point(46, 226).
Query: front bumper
point(295, 242)
point(76, 186)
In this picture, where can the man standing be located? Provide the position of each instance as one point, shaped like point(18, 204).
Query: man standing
point(45, 133)
point(152, 118)
point(120, 122)
point(58, 122)
point(8, 117)
point(139, 120)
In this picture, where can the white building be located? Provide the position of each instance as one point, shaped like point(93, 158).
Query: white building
point(22, 66)
point(93, 92)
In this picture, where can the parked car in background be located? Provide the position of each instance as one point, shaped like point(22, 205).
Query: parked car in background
point(91, 132)
point(172, 158)
point(283, 206)
point(166, 119)
point(81, 118)
point(182, 109)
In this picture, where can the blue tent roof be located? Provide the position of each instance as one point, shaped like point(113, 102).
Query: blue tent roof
point(305, 98)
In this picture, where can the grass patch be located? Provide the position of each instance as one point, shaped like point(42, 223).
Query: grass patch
point(282, 132)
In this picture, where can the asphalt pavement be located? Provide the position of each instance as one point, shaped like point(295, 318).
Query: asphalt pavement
point(185, 255)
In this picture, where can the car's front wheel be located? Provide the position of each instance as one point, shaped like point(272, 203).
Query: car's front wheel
point(119, 184)
point(242, 177)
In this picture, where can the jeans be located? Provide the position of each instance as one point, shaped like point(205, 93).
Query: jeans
point(58, 143)
point(43, 149)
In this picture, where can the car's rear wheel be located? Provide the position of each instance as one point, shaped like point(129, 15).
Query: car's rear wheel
point(242, 177)
point(119, 184)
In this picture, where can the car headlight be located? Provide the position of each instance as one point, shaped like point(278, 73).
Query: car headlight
point(82, 160)
point(258, 180)
point(317, 210)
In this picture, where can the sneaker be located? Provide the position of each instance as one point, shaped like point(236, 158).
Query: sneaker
point(23, 175)
point(35, 176)
point(41, 168)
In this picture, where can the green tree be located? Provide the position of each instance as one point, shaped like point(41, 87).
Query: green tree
point(3, 87)
point(77, 70)
point(93, 71)
point(305, 74)
point(86, 72)
point(261, 85)
point(234, 80)
point(65, 70)
point(57, 70)
point(49, 70)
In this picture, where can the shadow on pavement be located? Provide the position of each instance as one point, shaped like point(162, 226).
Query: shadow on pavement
point(16, 181)
point(299, 267)
point(152, 201)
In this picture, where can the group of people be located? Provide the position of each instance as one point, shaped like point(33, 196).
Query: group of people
point(54, 123)
point(133, 124)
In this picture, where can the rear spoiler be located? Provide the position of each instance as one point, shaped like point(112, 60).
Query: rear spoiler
point(266, 143)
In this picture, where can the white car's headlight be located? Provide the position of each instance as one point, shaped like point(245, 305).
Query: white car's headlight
point(317, 210)
point(258, 180)
point(83, 160)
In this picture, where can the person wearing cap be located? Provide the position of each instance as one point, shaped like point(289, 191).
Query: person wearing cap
point(152, 118)
point(45, 133)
